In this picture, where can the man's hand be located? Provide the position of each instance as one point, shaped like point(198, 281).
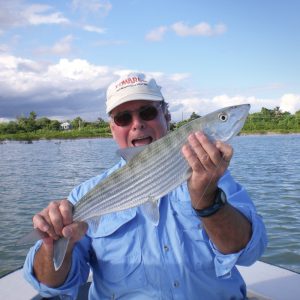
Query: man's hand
point(57, 220)
point(208, 162)
point(229, 230)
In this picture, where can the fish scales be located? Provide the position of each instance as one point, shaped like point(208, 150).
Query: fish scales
point(147, 166)
point(151, 169)
point(139, 179)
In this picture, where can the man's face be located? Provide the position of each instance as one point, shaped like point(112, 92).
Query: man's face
point(139, 132)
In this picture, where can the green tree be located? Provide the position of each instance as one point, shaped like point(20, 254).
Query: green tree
point(54, 125)
point(31, 122)
point(77, 123)
point(27, 124)
point(43, 123)
point(194, 116)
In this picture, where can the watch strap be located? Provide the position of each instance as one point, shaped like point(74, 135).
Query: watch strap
point(219, 202)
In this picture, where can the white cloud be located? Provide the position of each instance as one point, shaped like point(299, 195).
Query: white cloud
point(4, 48)
point(17, 13)
point(184, 99)
point(290, 103)
point(180, 76)
point(61, 48)
point(71, 88)
point(201, 29)
point(67, 89)
point(38, 14)
point(5, 120)
point(91, 28)
point(110, 42)
point(156, 34)
point(93, 6)
point(183, 30)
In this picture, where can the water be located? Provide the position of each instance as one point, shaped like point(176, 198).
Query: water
point(31, 175)
point(269, 168)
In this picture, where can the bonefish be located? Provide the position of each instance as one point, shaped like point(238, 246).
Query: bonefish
point(151, 172)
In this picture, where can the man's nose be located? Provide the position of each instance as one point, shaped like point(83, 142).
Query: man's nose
point(137, 122)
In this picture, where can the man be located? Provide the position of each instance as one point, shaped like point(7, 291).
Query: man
point(190, 254)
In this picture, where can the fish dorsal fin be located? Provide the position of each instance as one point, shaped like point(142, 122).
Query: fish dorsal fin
point(129, 153)
point(150, 210)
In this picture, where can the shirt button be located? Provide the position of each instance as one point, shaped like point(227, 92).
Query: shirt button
point(166, 248)
point(176, 284)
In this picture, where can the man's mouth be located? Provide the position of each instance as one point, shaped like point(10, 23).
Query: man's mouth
point(142, 141)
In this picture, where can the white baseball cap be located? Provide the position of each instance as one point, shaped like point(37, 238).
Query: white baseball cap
point(133, 86)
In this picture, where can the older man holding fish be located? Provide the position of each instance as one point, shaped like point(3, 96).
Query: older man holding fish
point(174, 223)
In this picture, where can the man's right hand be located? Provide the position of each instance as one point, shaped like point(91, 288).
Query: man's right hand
point(57, 220)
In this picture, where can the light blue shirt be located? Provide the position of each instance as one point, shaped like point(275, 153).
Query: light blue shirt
point(131, 258)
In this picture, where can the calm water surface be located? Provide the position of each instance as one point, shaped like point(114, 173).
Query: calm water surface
point(31, 175)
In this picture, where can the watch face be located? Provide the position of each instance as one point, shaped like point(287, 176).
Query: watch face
point(223, 197)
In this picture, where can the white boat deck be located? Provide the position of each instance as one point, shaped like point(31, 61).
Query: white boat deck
point(266, 281)
point(263, 281)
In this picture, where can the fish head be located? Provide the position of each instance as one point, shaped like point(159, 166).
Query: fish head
point(225, 123)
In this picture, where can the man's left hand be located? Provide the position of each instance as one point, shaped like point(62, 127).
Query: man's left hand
point(208, 161)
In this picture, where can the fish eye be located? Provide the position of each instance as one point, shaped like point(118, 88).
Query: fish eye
point(223, 117)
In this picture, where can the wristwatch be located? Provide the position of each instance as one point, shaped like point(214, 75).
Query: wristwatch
point(219, 202)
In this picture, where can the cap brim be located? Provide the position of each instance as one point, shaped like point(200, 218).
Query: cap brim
point(134, 97)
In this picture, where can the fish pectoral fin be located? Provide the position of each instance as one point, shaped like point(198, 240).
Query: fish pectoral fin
point(59, 252)
point(150, 210)
point(130, 152)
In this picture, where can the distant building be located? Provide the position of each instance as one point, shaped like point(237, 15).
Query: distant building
point(65, 126)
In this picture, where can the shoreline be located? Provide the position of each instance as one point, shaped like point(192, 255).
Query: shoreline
point(35, 139)
point(268, 133)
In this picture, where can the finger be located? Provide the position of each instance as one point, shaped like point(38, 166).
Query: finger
point(226, 151)
point(210, 148)
point(203, 155)
point(40, 223)
point(66, 210)
point(43, 223)
point(75, 231)
point(56, 217)
point(192, 159)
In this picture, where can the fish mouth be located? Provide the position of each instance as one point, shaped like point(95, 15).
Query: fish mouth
point(141, 141)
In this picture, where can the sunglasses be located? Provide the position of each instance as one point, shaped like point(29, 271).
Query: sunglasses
point(146, 113)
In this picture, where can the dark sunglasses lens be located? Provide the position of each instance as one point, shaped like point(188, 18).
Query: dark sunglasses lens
point(148, 113)
point(123, 119)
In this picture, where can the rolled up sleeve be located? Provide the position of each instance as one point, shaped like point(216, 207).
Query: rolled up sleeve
point(77, 276)
point(238, 197)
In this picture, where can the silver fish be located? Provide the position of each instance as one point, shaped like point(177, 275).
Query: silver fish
point(151, 172)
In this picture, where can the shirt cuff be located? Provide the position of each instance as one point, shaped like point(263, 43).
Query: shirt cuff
point(68, 290)
point(246, 256)
point(224, 262)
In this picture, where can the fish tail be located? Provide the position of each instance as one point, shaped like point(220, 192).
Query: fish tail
point(59, 252)
point(60, 246)
point(32, 237)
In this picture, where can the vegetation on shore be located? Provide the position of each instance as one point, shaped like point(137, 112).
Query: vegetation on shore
point(33, 128)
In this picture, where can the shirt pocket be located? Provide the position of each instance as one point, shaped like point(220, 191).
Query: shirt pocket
point(118, 252)
point(195, 242)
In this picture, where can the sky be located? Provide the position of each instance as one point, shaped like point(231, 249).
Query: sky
point(57, 58)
